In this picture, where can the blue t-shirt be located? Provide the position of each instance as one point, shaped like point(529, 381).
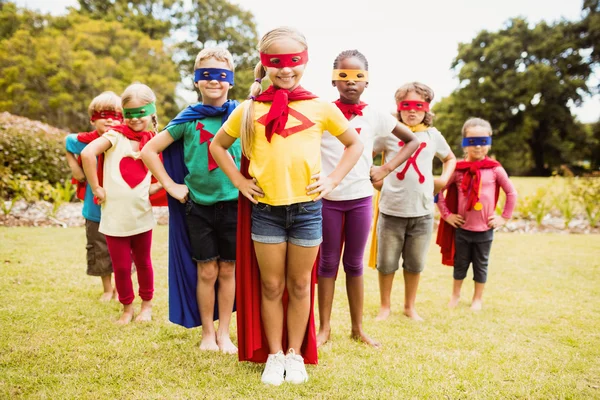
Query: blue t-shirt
point(90, 210)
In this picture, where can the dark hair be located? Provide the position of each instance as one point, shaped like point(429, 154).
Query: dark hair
point(349, 54)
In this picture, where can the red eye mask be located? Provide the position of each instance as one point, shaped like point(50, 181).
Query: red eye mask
point(115, 115)
point(407, 105)
point(284, 60)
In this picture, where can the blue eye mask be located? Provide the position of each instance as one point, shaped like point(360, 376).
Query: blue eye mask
point(477, 141)
point(216, 74)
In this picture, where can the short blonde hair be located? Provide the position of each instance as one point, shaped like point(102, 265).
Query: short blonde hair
point(143, 93)
point(247, 129)
point(105, 101)
point(472, 122)
point(422, 90)
point(218, 53)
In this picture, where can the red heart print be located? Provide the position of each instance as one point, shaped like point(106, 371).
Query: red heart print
point(133, 171)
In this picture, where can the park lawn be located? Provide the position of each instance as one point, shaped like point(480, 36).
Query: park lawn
point(537, 337)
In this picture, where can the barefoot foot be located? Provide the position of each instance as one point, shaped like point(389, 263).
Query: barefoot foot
point(323, 336)
point(453, 301)
point(412, 314)
point(226, 345)
point(476, 305)
point(106, 296)
point(145, 313)
point(209, 342)
point(363, 337)
point(127, 315)
point(384, 313)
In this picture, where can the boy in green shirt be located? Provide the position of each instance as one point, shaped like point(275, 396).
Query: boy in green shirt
point(202, 205)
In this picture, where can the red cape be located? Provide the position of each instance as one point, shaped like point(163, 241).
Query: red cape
point(445, 233)
point(252, 342)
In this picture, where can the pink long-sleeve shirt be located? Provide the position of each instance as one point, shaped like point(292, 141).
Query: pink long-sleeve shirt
point(477, 221)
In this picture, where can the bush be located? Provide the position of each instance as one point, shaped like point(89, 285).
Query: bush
point(587, 193)
point(32, 149)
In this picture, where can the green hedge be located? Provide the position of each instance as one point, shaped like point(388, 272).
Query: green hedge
point(32, 149)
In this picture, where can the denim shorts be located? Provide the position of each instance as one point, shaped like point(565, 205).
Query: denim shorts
point(299, 224)
point(212, 230)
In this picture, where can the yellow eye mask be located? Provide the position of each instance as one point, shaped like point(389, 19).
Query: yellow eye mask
point(356, 75)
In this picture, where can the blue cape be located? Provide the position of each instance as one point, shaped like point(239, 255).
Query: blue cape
point(183, 272)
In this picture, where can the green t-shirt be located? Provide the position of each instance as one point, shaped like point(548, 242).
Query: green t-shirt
point(206, 187)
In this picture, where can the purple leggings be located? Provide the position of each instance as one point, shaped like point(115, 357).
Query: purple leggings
point(346, 221)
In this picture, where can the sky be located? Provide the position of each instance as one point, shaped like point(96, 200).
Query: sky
point(403, 40)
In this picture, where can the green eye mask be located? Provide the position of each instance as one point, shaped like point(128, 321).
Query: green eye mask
point(139, 112)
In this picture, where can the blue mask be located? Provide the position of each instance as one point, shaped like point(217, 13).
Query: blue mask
point(477, 141)
point(216, 74)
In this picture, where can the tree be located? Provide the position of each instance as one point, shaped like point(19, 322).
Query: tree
point(199, 24)
point(156, 19)
point(220, 23)
point(53, 73)
point(522, 79)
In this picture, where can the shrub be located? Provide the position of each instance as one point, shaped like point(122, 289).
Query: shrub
point(32, 149)
point(587, 193)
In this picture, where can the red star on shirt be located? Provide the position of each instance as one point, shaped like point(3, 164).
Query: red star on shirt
point(206, 136)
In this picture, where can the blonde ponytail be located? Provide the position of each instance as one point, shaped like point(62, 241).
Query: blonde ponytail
point(247, 129)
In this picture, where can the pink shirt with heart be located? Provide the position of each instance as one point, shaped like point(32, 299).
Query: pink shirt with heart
point(127, 210)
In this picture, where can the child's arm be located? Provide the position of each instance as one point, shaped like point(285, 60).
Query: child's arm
point(410, 145)
point(88, 159)
point(155, 187)
point(152, 160)
point(455, 220)
point(354, 149)
point(76, 170)
point(502, 179)
point(448, 165)
point(218, 148)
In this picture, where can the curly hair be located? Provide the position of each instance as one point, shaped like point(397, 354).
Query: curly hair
point(422, 90)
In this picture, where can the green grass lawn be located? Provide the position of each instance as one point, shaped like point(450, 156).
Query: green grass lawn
point(537, 337)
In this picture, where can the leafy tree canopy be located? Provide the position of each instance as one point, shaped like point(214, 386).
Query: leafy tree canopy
point(522, 79)
point(51, 73)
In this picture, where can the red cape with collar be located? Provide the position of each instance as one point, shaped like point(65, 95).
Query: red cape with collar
point(445, 233)
point(252, 341)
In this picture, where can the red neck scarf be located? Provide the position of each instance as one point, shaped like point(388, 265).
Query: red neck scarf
point(142, 137)
point(349, 110)
point(472, 180)
point(278, 113)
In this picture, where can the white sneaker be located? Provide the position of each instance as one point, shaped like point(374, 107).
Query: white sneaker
point(295, 372)
point(274, 369)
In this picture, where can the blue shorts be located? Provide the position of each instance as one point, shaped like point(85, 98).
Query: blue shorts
point(299, 224)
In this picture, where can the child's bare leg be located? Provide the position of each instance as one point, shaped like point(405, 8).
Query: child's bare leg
point(411, 284)
point(127, 315)
point(457, 285)
point(326, 289)
point(205, 293)
point(356, 292)
point(477, 303)
point(300, 261)
point(108, 293)
point(226, 297)
point(271, 262)
point(145, 314)
point(385, 293)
